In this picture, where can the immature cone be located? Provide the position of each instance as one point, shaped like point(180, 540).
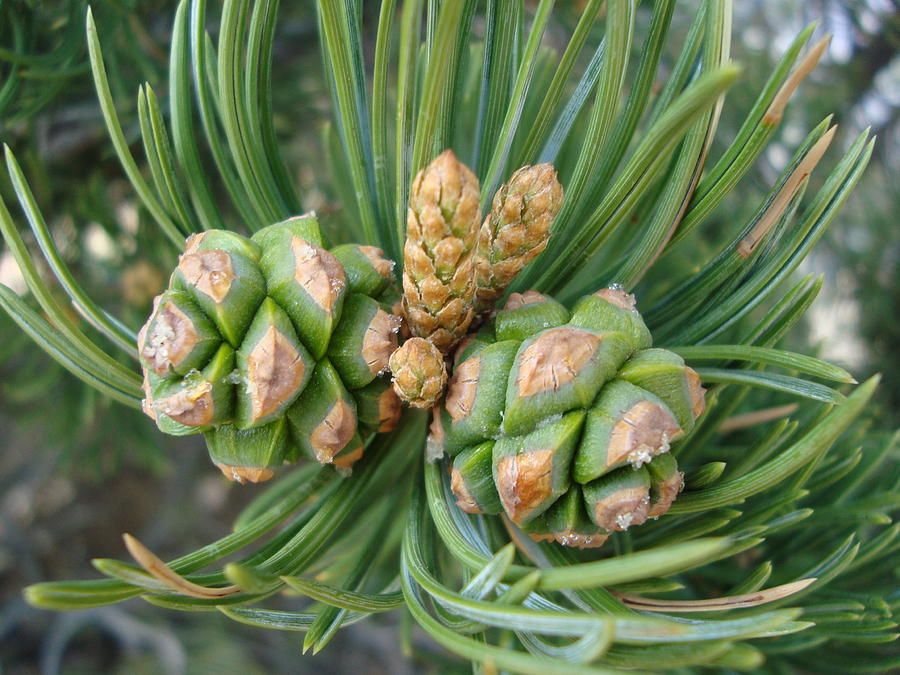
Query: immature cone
point(515, 231)
point(270, 346)
point(563, 421)
point(419, 374)
point(438, 272)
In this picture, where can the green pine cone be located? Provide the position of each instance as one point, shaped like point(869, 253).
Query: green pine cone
point(563, 421)
point(271, 346)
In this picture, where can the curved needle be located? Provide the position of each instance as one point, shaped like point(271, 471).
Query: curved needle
point(715, 604)
point(159, 570)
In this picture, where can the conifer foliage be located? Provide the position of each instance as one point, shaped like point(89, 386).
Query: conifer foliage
point(778, 543)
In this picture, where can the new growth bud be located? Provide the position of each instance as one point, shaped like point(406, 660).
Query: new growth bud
point(438, 271)
point(419, 374)
point(516, 230)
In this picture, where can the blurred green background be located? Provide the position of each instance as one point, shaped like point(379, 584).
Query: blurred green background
point(76, 471)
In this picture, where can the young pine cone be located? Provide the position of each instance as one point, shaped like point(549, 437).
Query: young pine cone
point(438, 272)
point(271, 346)
point(563, 420)
point(515, 231)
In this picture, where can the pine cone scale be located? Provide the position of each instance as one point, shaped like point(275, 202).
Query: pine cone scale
point(275, 372)
point(210, 272)
point(179, 338)
point(319, 273)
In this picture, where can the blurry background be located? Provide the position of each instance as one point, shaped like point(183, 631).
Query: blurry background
point(76, 471)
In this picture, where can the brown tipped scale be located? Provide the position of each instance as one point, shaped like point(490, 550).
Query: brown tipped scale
point(275, 373)
point(150, 385)
point(220, 271)
point(377, 405)
point(210, 272)
point(462, 389)
point(245, 474)
point(309, 283)
point(526, 314)
point(472, 482)
point(323, 419)
point(352, 451)
point(319, 273)
point(523, 482)
point(380, 341)
point(464, 499)
point(177, 337)
point(273, 366)
point(390, 410)
point(618, 297)
point(697, 392)
point(519, 300)
point(619, 499)
point(666, 481)
point(375, 256)
point(516, 230)
point(473, 408)
point(366, 268)
point(419, 374)
point(191, 406)
point(626, 425)
point(249, 455)
point(334, 432)
point(665, 374)
point(554, 360)
point(568, 524)
point(438, 271)
point(363, 341)
point(612, 310)
point(533, 471)
point(201, 399)
point(557, 370)
point(641, 433)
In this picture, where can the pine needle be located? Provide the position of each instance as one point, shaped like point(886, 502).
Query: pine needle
point(159, 570)
point(756, 417)
point(804, 68)
point(778, 206)
point(716, 604)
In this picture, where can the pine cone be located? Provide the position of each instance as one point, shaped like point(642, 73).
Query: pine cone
point(515, 231)
point(438, 271)
point(271, 345)
point(563, 421)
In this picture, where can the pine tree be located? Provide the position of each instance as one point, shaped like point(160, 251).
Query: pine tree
point(780, 538)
